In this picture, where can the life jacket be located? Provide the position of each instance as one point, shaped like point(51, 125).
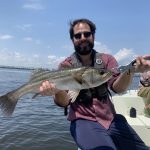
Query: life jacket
point(86, 95)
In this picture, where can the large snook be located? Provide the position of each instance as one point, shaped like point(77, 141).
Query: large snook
point(73, 79)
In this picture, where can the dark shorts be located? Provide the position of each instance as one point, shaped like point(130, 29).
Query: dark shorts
point(90, 135)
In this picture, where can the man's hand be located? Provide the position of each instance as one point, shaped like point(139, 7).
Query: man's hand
point(60, 97)
point(142, 64)
point(48, 89)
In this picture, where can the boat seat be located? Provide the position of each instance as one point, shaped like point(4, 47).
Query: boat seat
point(123, 104)
point(145, 120)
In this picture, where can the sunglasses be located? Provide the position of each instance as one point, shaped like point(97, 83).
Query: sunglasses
point(78, 35)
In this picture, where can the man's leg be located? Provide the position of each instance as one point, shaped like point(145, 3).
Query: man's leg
point(123, 135)
point(91, 135)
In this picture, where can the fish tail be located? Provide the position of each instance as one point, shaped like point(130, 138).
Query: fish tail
point(8, 103)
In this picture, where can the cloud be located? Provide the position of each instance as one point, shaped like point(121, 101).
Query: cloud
point(17, 55)
point(125, 55)
point(10, 58)
point(15, 58)
point(33, 5)
point(53, 61)
point(36, 56)
point(102, 48)
point(25, 27)
point(28, 39)
point(37, 42)
point(6, 37)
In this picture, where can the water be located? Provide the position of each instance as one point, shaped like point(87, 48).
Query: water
point(36, 124)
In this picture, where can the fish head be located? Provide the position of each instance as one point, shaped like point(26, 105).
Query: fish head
point(96, 76)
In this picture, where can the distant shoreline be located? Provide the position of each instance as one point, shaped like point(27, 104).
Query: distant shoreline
point(19, 68)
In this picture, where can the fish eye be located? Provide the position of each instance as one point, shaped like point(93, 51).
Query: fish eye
point(101, 72)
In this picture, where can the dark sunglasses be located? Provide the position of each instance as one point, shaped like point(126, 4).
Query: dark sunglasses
point(78, 35)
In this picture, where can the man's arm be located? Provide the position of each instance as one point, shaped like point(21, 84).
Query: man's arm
point(124, 80)
point(62, 99)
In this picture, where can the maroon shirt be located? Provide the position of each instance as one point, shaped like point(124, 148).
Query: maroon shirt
point(101, 110)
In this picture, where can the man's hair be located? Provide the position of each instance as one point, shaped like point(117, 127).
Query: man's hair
point(90, 23)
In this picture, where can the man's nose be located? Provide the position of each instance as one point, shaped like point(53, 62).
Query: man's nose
point(83, 37)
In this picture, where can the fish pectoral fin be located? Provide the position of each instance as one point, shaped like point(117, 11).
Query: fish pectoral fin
point(73, 95)
point(35, 95)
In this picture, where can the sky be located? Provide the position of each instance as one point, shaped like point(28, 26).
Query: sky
point(35, 33)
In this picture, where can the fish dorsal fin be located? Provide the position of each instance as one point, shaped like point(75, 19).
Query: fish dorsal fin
point(38, 72)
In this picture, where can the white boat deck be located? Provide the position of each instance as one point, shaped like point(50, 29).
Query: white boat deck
point(141, 123)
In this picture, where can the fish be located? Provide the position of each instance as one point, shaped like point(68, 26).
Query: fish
point(72, 80)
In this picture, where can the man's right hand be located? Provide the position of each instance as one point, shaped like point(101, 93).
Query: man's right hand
point(60, 97)
point(48, 89)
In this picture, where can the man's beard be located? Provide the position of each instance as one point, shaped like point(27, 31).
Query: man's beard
point(84, 48)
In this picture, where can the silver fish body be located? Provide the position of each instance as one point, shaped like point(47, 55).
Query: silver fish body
point(73, 79)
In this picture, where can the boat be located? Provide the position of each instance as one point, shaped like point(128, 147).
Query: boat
point(132, 107)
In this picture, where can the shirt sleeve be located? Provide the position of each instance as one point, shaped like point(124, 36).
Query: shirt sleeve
point(111, 62)
point(66, 63)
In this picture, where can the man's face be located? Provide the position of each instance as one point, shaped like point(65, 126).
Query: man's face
point(83, 39)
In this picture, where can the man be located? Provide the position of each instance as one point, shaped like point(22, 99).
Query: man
point(144, 91)
point(94, 123)
point(145, 79)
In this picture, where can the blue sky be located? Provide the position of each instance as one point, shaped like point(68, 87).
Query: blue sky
point(35, 33)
